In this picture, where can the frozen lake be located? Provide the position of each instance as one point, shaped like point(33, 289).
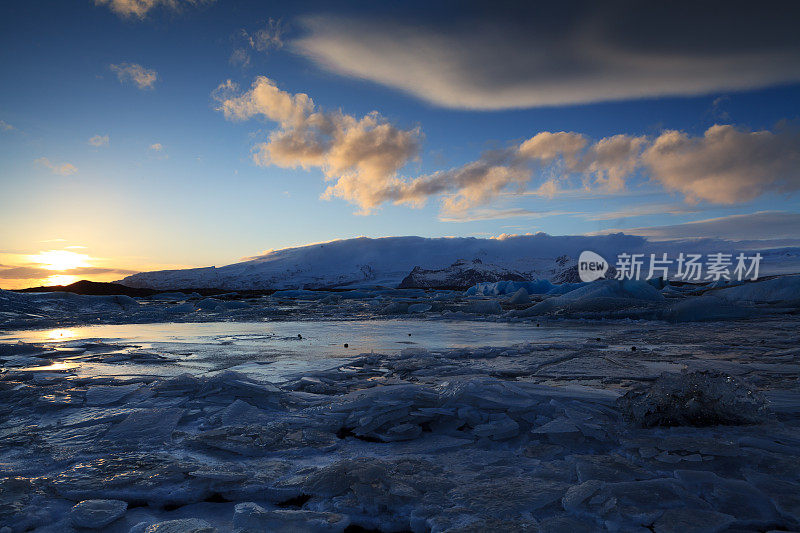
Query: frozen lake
point(271, 350)
point(442, 425)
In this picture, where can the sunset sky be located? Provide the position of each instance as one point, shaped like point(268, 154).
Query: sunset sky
point(149, 134)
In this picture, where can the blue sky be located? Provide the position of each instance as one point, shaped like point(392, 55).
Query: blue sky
point(170, 180)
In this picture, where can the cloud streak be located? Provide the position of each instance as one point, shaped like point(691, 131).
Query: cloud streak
point(140, 8)
point(142, 77)
point(752, 226)
point(576, 53)
point(99, 140)
point(62, 169)
point(28, 272)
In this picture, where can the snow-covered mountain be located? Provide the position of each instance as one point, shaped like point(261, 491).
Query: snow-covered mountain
point(388, 261)
point(459, 275)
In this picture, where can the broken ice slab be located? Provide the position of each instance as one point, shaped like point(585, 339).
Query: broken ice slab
point(145, 426)
point(95, 514)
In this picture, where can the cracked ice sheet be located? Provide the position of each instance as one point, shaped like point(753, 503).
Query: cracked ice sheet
point(521, 433)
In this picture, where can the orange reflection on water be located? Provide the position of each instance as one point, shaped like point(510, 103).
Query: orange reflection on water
point(59, 334)
point(55, 367)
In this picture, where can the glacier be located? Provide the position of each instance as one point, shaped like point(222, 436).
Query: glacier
point(388, 261)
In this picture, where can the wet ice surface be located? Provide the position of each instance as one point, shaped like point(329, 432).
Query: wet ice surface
point(476, 426)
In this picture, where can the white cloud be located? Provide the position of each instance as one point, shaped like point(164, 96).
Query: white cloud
point(62, 169)
point(144, 78)
point(99, 140)
point(5, 126)
point(140, 8)
point(359, 156)
point(156, 147)
point(726, 165)
point(528, 57)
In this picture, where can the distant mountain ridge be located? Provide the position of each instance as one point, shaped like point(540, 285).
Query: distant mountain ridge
point(387, 261)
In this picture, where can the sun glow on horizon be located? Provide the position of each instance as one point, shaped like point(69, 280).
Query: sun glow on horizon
point(60, 279)
point(60, 260)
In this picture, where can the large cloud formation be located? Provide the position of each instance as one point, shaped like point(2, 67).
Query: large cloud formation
point(362, 158)
point(726, 165)
point(575, 52)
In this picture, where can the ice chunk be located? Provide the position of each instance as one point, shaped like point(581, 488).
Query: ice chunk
point(629, 504)
point(372, 486)
point(147, 425)
point(705, 308)
point(94, 514)
point(694, 399)
point(730, 496)
point(395, 308)
point(560, 431)
point(506, 496)
point(252, 518)
point(608, 468)
point(500, 288)
point(783, 290)
point(626, 297)
point(499, 427)
point(419, 308)
point(169, 296)
point(692, 521)
point(186, 525)
point(241, 413)
point(210, 304)
point(559, 524)
point(484, 307)
point(785, 495)
point(520, 297)
point(107, 394)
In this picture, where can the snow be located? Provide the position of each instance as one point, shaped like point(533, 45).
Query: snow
point(364, 262)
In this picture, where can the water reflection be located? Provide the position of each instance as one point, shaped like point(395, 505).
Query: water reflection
point(59, 334)
point(55, 367)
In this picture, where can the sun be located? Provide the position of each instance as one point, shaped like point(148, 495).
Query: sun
point(60, 260)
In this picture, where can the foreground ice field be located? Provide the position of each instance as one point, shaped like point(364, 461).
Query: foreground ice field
point(465, 413)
